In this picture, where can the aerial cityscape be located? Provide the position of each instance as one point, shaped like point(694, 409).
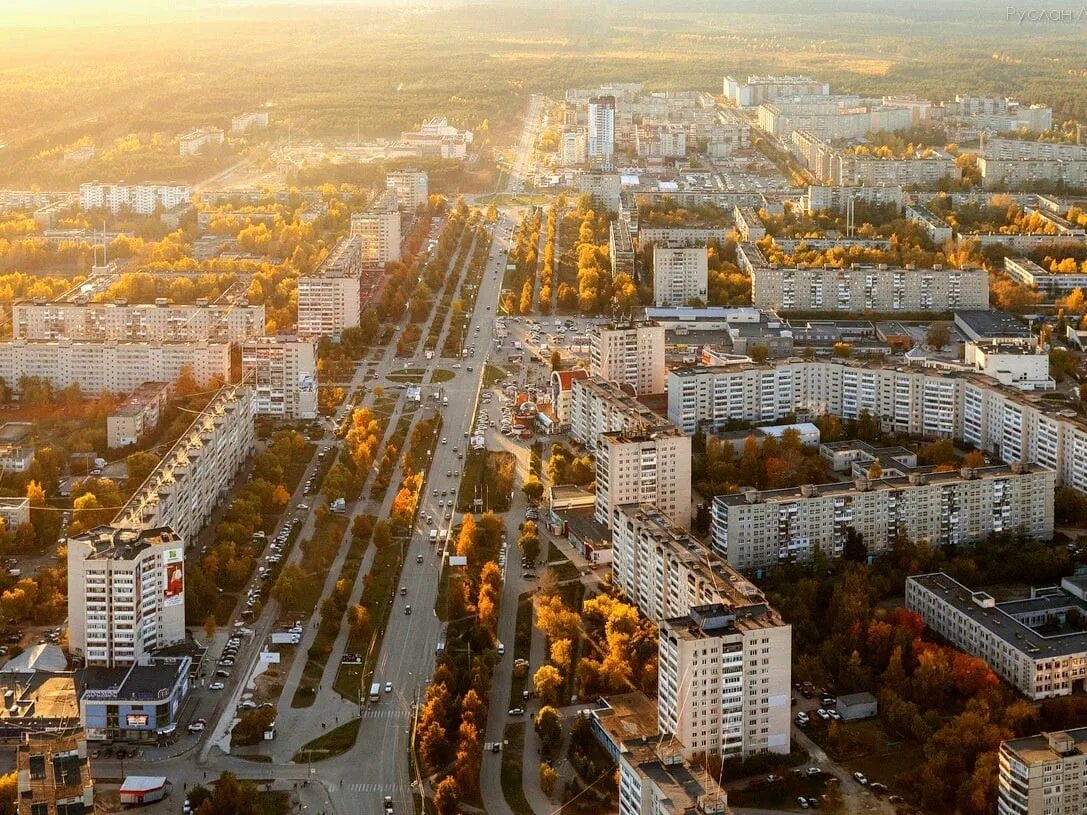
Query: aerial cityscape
point(642, 408)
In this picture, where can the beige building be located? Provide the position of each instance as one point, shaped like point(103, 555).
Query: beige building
point(1020, 163)
point(196, 473)
point(193, 142)
point(138, 414)
point(377, 229)
point(630, 354)
point(14, 512)
point(142, 199)
point(158, 322)
point(411, 188)
point(759, 89)
point(680, 274)
point(282, 371)
point(598, 406)
point(53, 775)
point(330, 299)
point(117, 367)
point(1044, 774)
point(126, 594)
point(652, 468)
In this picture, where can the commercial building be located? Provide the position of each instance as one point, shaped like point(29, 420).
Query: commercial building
point(436, 138)
point(598, 406)
point(137, 703)
point(194, 142)
point(1026, 642)
point(630, 353)
point(53, 775)
point(725, 653)
point(142, 199)
point(282, 371)
point(861, 288)
point(138, 414)
point(244, 122)
point(162, 321)
point(330, 299)
point(601, 140)
point(1022, 163)
point(412, 189)
point(759, 89)
point(1044, 774)
point(644, 468)
point(198, 471)
point(126, 594)
point(756, 529)
point(117, 367)
point(377, 230)
point(680, 274)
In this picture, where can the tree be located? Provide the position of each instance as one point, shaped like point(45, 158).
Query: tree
point(209, 625)
point(547, 682)
point(140, 465)
point(842, 350)
point(548, 779)
point(759, 353)
point(548, 726)
point(938, 335)
point(533, 489)
point(446, 796)
point(556, 360)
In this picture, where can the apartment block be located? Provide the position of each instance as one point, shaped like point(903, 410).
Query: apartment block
point(17, 448)
point(126, 594)
point(831, 117)
point(725, 655)
point(759, 89)
point(1044, 774)
point(755, 529)
point(574, 147)
point(837, 167)
point(411, 187)
point(1021, 163)
point(654, 779)
point(1029, 273)
point(862, 288)
point(142, 199)
point(748, 223)
point(651, 468)
point(159, 322)
point(53, 775)
point(680, 274)
point(117, 367)
point(599, 406)
point(377, 230)
point(937, 229)
point(621, 249)
point(282, 371)
point(196, 473)
point(837, 199)
point(330, 299)
point(194, 142)
point(601, 138)
point(562, 392)
point(630, 353)
point(137, 415)
point(244, 122)
point(1015, 638)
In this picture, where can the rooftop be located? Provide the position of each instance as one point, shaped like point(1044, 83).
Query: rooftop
point(991, 324)
point(123, 543)
point(136, 683)
point(1048, 747)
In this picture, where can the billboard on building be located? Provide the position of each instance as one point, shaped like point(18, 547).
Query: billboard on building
point(173, 592)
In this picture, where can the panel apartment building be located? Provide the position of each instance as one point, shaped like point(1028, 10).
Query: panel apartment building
point(158, 322)
point(644, 468)
point(599, 406)
point(1015, 638)
point(1044, 774)
point(142, 199)
point(725, 655)
point(282, 371)
point(330, 299)
point(630, 354)
point(1020, 163)
point(198, 471)
point(831, 117)
point(869, 288)
point(377, 229)
point(759, 89)
point(1012, 425)
point(411, 188)
point(831, 165)
point(126, 594)
point(117, 367)
point(680, 274)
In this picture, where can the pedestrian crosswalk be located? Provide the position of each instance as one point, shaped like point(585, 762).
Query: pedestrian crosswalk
point(385, 713)
point(385, 788)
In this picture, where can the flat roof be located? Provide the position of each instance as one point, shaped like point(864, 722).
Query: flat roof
point(985, 324)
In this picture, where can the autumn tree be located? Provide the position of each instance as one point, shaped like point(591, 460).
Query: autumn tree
point(548, 725)
point(547, 683)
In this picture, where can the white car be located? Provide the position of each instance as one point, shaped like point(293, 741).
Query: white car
point(216, 686)
point(198, 726)
point(861, 779)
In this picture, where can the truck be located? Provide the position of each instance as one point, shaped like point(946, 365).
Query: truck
point(375, 692)
point(338, 506)
point(144, 789)
point(286, 637)
point(429, 354)
point(433, 535)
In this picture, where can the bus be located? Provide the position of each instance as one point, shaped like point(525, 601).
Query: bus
point(375, 692)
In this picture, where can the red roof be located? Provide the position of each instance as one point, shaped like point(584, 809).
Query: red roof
point(567, 378)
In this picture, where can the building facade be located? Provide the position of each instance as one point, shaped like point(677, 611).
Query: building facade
point(631, 354)
point(377, 229)
point(138, 415)
point(53, 775)
point(282, 371)
point(158, 322)
point(1044, 774)
point(330, 299)
point(411, 187)
point(601, 138)
point(142, 199)
point(599, 406)
point(653, 468)
point(759, 89)
point(680, 274)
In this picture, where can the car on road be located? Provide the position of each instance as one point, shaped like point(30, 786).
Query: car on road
point(861, 779)
point(403, 591)
point(388, 803)
point(198, 726)
point(216, 686)
point(407, 609)
point(814, 771)
point(419, 558)
point(444, 440)
point(802, 803)
point(516, 711)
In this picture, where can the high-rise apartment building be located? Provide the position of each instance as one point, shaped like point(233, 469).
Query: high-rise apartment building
point(601, 143)
point(629, 353)
point(598, 406)
point(126, 594)
point(330, 299)
point(725, 654)
point(1021, 163)
point(411, 188)
point(680, 274)
point(759, 89)
point(573, 148)
point(652, 468)
point(377, 229)
point(1044, 774)
point(282, 371)
point(142, 199)
point(161, 321)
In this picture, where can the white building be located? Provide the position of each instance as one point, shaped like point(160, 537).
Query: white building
point(1012, 363)
point(759, 89)
point(196, 473)
point(601, 142)
point(126, 594)
point(244, 122)
point(631, 354)
point(377, 230)
point(138, 415)
point(411, 188)
point(725, 654)
point(1020, 163)
point(117, 367)
point(159, 322)
point(14, 512)
point(680, 274)
point(562, 392)
point(330, 299)
point(282, 371)
point(437, 138)
point(1029, 273)
point(574, 148)
point(1011, 637)
point(142, 199)
point(193, 142)
point(836, 199)
point(937, 229)
point(598, 406)
point(652, 468)
point(1044, 774)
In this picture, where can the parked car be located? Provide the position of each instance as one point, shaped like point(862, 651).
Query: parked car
point(861, 779)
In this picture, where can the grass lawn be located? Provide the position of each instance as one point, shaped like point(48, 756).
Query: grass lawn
point(333, 743)
point(522, 645)
point(489, 472)
point(512, 770)
point(491, 374)
point(441, 375)
point(411, 376)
